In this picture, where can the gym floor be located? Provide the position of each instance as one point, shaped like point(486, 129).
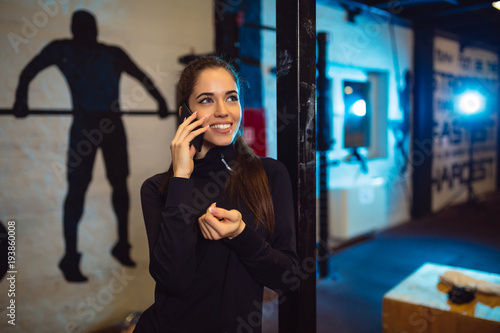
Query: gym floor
point(350, 299)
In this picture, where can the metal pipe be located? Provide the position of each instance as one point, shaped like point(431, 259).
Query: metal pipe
point(54, 112)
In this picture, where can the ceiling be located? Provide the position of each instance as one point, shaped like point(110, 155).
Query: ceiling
point(474, 21)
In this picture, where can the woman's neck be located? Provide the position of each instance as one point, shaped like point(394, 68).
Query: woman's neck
point(204, 150)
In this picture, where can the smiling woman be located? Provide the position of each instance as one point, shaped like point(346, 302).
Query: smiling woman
point(215, 237)
point(215, 98)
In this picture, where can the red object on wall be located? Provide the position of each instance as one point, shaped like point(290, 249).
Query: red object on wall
point(254, 130)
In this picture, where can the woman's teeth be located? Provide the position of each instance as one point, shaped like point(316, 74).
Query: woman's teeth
point(221, 126)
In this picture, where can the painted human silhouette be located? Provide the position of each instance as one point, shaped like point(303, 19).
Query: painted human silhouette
point(92, 71)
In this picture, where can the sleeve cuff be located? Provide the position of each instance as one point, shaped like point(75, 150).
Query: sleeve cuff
point(246, 244)
point(180, 191)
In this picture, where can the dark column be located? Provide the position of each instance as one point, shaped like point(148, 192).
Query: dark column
point(227, 36)
point(498, 131)
point(296, 77)
point(324, 139)
point(423, 120)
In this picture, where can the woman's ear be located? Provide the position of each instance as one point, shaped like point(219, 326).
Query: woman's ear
point(180, 110)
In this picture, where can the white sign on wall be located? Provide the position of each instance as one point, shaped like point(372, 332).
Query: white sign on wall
point(456, 72)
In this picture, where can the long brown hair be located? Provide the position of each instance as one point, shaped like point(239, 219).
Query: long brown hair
point(248, 180)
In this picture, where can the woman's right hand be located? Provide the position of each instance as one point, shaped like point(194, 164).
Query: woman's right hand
point(180, 148)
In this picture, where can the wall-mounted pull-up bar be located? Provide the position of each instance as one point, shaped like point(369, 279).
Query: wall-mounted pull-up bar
point(53, 112)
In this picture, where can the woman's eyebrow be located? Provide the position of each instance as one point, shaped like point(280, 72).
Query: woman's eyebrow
point(205, 93)
point(212, 94)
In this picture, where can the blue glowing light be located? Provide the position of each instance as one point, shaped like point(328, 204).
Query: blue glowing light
point(471, 103)
point(358, 108)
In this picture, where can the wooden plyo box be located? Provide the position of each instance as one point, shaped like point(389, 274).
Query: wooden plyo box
point(420, 304)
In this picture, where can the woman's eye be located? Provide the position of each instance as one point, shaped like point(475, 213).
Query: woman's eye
point(205, 100)
point(233, 98)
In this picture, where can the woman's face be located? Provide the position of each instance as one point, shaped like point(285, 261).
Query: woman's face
point(216, 97)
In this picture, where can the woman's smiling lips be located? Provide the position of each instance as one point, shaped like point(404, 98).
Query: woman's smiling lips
point(222, 128)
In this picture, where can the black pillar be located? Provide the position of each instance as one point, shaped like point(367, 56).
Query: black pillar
point(296, 77)
point(423, 121)
point(498, 129)
point(227, 37)
point(324, 139)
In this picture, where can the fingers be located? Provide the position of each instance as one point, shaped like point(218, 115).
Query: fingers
point(218, 223)
point(187, 126)
point(180, 148)
point(183, 124)
point(185, 134)
point(221, 213)
point(194, 124)
point(203, 228)
point(213, 234)
point(221, 220)
point(192, 151)
point(206, 229)
point(194, 134)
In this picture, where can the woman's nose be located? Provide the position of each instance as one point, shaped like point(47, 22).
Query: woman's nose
point(221, 110)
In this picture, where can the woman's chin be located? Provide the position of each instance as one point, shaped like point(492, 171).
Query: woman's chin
point(220, 142)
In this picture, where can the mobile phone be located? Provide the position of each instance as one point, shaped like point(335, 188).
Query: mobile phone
point(185, 113)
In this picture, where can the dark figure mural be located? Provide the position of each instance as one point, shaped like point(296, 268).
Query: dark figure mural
point(92, 71)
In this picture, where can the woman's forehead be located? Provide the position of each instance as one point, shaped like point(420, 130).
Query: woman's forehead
point(215, 79)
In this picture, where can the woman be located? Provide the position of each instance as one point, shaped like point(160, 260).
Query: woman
point(220, 221)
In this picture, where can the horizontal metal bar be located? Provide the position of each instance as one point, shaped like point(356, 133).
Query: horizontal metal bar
point(250, 61)
point(51, 112)
point(259, 26)
point(409, 3)
point(454, 11)
point(395, 19)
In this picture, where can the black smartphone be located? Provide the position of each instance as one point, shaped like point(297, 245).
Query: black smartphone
point(185, 113)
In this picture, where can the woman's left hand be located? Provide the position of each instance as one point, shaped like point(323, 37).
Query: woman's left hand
point(218, 223)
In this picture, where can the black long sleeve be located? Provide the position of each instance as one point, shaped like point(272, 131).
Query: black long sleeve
point(173, 238)
point(272, 263)
point(213, 286)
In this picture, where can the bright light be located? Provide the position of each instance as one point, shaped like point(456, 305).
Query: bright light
point(496, 4)
point(348, 90)
point(471, 103)
point(377, 181)
point(359, 108)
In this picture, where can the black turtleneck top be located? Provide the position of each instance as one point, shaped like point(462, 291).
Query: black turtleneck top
point(214, 286)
